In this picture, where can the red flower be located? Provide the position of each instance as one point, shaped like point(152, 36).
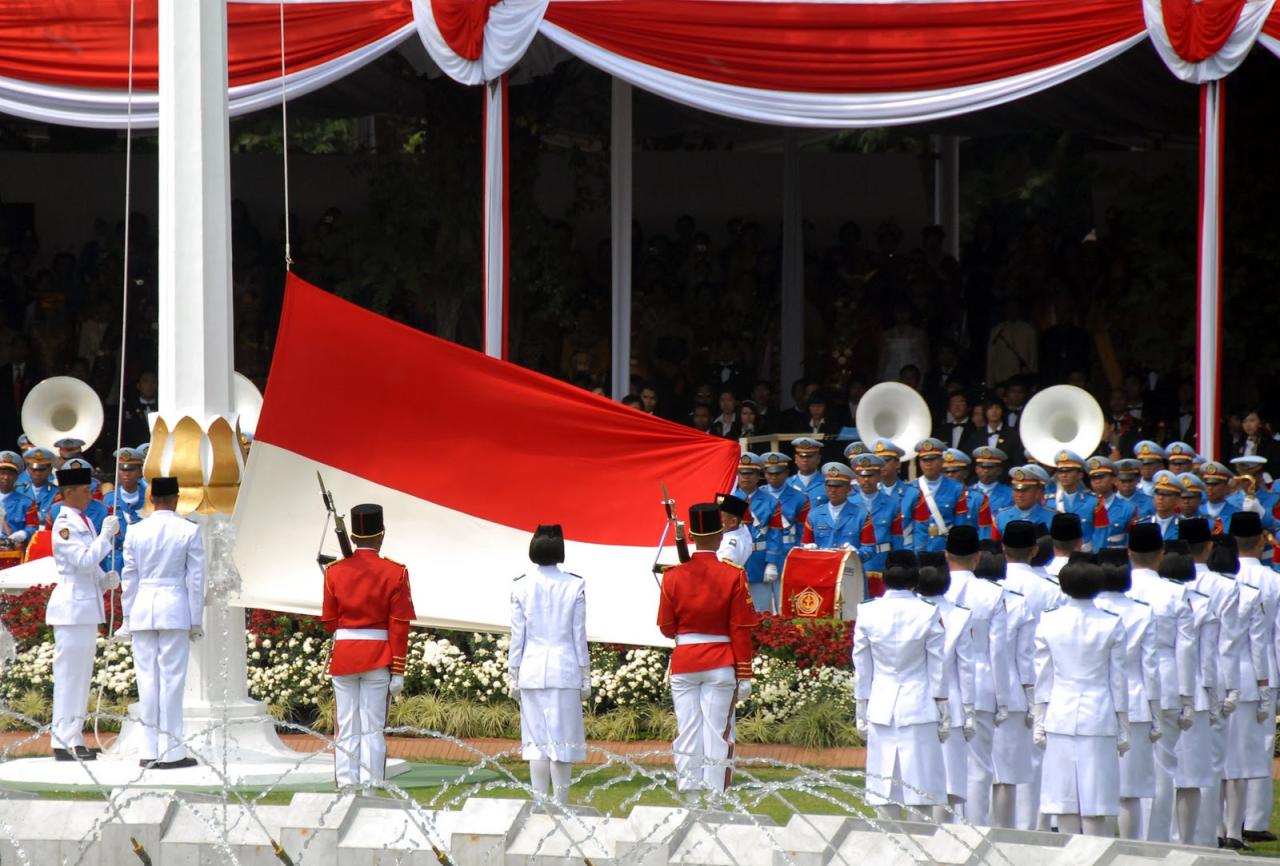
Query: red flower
point(808, 643)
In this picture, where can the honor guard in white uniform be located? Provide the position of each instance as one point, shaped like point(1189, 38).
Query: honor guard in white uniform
point(1068, 535)
point(985, 602)
point(736, 544)
point(957, 670)
point(1142, 679)
point(1040, 593)
point(706, 609)
point(1193, 768)
point(368, 606)
point(1251, 542)
point(1247, 727)
point(75, 611)
point(162, 597)
point(1082, 703)
point(1171, 617)
point(899, 684)
point(548, 667)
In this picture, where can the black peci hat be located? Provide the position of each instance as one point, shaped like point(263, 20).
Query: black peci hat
point(731, 504)
point(1066, 527)
point(1194, 530)
point(1019, 534)
point(366, 521)
point(962, 541)
point(163, 487)
point(74, 477)
point(1244, 524)
point(1145, 538)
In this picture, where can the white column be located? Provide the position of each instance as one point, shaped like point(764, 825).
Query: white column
point(495, 218)
point(620, 178)
point(946, 189)
point(196, 346)
point(1209, 276)
point(792, 338)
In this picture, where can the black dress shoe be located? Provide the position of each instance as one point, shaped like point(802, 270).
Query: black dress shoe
point(181, 764)
point(1222, 841)
point(148, 763)
point(86, 754)
point(1259, 836)
point(63, 755)
point(1237, 845)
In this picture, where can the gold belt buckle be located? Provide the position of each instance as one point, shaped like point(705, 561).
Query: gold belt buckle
point(933, 530)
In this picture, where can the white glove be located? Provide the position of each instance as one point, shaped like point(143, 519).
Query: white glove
point(744, 689)
point(1265, 708)
point(860, 717)
point(195, 632)
point(1038, 736)
point(1030, 692)
point(944, 719)
point(1155, 713)
point(397, 684)
point(1229, 705)
point(1154, 735)
point(586, 682)
point(1122, 741)
point(970, 728)
point(513, 677)
point(122, 634)
point(110, 527)
point(1002, 714)
point(770, 573)
point(1215, 706)
point(19, 536)
point(809, 546)
point(110, 581)
point(1187, 715)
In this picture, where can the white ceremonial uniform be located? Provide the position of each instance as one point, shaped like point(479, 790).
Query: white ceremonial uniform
point(1041, 593)
point(736, 547)
point(1247, 756)
point(1055, 565)
point(162, 596)
point(549, 649)
point(1011, 745)
point(898, 643)
point(1142, 679)
point(1080, 676)
point(1194, 752)
point(1224, 601)
point(1258, 803)
point(991, 683)
point(957, 668)
point(1176, 651)
point(74, 611)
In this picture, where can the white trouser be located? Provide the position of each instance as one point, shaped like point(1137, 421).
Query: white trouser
point(160, 660)
point(704, 702)
point(1160, 823)
point(1211, 798)
point(1028, 796)
point(74, 647)
point(977, 806)
point(360, 715)
point(1257, 798)
point(766, 597)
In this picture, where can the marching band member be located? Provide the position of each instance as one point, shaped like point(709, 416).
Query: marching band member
point(1150, 457)
point(786, 520)
point(39, 466)
point(1082, 719)
point(1028, 490)
point(75, 610)
point(1180, 457)
point(1128, 472)
point(548, 665)
point(1192, 496)
point(1167, 493)
point(14, 504)
point(836, 523)
point(1217, 480)
point(892, 455)
point(808, 480)
point(1142, 679)
point(883, 520)
point(1119, 513)
point(162, 597)
point(367, 607)
point(706, 609)
point(985, 602)
point(1070, 496)
point(934, 505)
point(988, 464)
point(761, 508)
point(900, 689)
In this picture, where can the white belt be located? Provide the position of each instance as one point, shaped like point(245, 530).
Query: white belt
point(884, 548)
point(177, 581)
point(360, 634)
point(691, 638)
point(760, 545)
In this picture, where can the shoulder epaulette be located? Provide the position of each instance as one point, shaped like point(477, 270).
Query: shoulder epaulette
point(1138, 601)
point(393, 562)
point(1198, 592)
point(961, 606)
point(578, 576)
point(1112, 612)
point(517, 577)
point(927, 601)
point(1013, 592)
point(1052, 609)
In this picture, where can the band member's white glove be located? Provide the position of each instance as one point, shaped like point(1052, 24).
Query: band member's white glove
point(744, 689)
point(195, 633)
point(18, 536)
point(770, 573)
point(110, 581)
point(810, 546)
point(586, 682)
point(1215, 706)
point(397, 684)
point(1266, 709)
point(1038, 736)
point(513, 677)
point(1122, 741)
point(944, 719)
point(1002, 714)
point(110, 527)
point(1187, 715)
point(860, 718)
point(1229, 704)
point(970, 728)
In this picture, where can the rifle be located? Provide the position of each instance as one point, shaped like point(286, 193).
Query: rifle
point(682, 544)
point(339, 525)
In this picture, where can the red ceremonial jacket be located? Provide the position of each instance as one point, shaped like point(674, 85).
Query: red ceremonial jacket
point(367, 591)
point(707, 596)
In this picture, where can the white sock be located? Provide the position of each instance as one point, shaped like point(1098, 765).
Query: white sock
point(540, 776)
point(1096, 825)
point(1069, 824)
point(1003, 804)
point(1236, 789)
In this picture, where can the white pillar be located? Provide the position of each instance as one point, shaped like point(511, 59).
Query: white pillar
point(1209, 276)
point(495, 218)
point(620, 178)
point(792, 338)
point(946, 189)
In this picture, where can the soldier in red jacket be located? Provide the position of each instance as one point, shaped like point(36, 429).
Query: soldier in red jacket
point(367, 608)
point(706, 608)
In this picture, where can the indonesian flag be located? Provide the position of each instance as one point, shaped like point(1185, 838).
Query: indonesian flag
point(467, 455)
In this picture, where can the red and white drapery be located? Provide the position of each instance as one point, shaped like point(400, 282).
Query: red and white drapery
point(816, 63)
